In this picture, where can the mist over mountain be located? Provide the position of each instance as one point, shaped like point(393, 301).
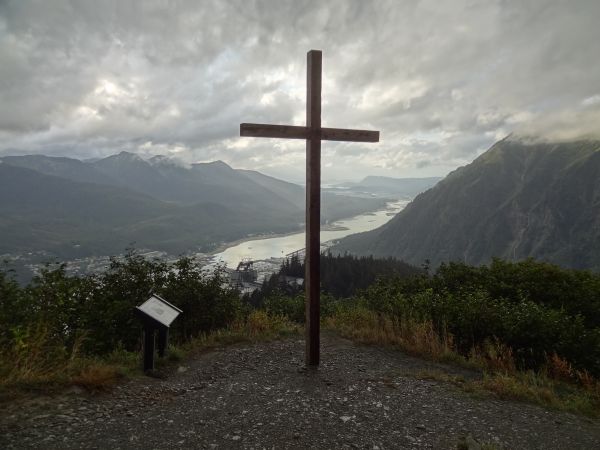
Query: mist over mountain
point(73, 208)
point(516, 200)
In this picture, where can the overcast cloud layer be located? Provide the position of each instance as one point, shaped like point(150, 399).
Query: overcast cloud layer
point(441, 80)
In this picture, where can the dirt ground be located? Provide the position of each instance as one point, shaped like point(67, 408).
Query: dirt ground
point(259, 396)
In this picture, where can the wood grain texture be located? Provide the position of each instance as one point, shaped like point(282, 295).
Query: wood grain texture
point(299, 132)
point(342, 134)
point(313, 133)
point(313, 207)
point(273, 131)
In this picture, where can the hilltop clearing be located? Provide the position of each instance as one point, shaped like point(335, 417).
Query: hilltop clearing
point(260, 396)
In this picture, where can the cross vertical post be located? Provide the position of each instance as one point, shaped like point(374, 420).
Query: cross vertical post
point(313, 206)
point(313, 133)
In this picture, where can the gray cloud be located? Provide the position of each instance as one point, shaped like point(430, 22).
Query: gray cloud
point(441, 80)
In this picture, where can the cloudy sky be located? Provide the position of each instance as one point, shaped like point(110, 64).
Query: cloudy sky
point(441, 80)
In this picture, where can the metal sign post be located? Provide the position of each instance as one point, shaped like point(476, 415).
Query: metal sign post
point(156, 314)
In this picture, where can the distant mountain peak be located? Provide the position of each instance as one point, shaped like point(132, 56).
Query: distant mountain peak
point(162, 160)
point(218, 164)
point(168, 161)
point(128, 155)
point(122, 158)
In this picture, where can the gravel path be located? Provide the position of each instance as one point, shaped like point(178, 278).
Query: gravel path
point(259, 396)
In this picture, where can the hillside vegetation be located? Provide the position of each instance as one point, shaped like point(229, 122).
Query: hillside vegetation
point(531, 327)
point(63, 329)
point(69, 208)
point(515, 201)
point(525, 321)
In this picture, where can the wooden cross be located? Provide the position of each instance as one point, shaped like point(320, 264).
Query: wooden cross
point(313, 134)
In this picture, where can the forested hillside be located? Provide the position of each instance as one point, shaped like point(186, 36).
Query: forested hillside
point(516, 200)
point(71, 208)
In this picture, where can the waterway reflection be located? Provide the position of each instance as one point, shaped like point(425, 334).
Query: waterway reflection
point(278, 247)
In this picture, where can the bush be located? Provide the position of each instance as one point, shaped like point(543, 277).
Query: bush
point(208, 303)
point(282, 305)
point(536, 309)
point(57, 315)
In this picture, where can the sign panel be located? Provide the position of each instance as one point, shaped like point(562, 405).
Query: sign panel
point(160, 310)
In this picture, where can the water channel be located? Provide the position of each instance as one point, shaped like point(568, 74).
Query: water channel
point(278, 247)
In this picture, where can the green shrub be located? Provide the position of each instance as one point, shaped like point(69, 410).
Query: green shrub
point(282, 305)
point(535, 308)
point(96, 313)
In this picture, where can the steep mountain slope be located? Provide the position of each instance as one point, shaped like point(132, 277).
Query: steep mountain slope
point(166, 180)
point(215, 182)
point(68, 218)
point(248, 192)
point(291, 192)
point(131, 171)
point(71, 208)
point(251, 193)
point(515, 201)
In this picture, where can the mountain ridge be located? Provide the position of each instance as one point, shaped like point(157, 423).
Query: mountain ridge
point(514, 201)
point(70, 218)
point(73, 208)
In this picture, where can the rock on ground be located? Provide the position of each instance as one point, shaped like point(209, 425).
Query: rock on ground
point(259, 396)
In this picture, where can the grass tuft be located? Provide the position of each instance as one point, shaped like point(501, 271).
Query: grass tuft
point(369, 327)
point(38, 363)
point(97, 377)
point(557, 385)
point(537, 388)
point(258, 326)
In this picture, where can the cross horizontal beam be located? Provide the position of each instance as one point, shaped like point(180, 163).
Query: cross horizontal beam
point(297, 132)
point(342, 134)
point(313, 134)
point(273, 131)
